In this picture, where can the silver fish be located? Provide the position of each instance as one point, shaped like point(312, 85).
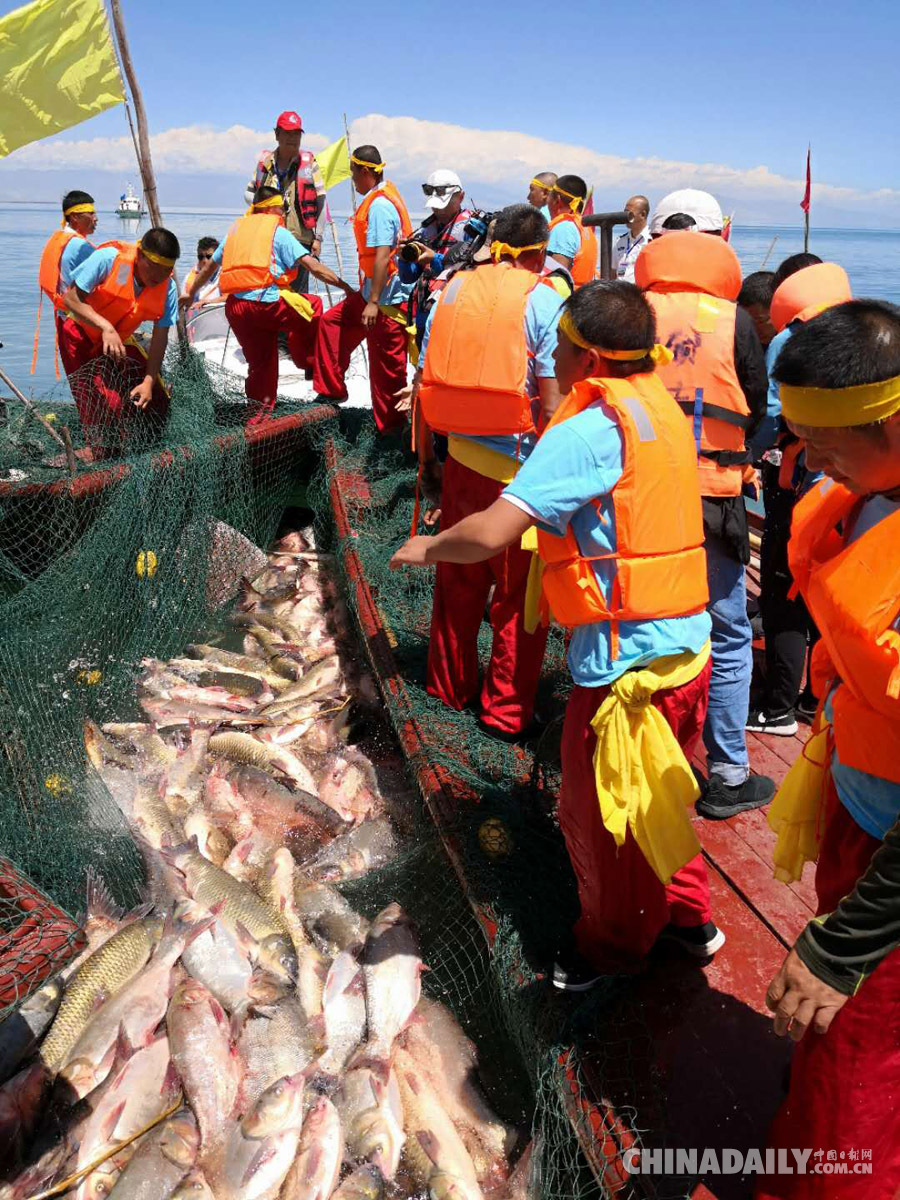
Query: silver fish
point(364, 848)
point(259, 1151)
point(393, 974)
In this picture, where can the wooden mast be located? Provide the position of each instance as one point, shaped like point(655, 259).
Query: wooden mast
point(142, 146)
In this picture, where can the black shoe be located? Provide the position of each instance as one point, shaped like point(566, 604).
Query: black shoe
point(807, 705)
point(702, 941)
point(720, 801)
point(572, 973)
point(784, 725)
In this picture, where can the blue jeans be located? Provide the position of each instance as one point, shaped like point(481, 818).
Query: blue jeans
point(732, 665)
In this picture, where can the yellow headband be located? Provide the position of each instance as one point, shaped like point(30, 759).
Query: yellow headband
point(500, 248)
point(658, 353)
point(158, 258)
point(270, 202)
point(361, 162)
point(77, 208)
point(575, 202)
point(834, 408)
point(545, 187)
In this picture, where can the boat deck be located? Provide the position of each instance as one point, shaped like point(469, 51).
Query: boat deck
point(716, 1071)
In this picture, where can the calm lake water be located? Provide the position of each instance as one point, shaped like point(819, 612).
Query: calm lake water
point(871, 258)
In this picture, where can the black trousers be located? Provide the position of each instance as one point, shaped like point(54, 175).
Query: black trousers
point(787, 625)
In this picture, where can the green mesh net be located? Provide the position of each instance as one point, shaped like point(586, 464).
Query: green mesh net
point(589, 1065)
point(130, 555)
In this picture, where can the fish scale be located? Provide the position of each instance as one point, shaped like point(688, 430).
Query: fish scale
point(103, 974)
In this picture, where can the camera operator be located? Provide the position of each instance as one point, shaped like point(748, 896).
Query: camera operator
point(422, 258)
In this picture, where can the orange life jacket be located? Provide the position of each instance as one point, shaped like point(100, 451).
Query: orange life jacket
point(660, 561)
point(48, 282)
point(584, 264)
point(476, 367)
point(806, 293)
point(247, 257)
point(115, 300)
point(366, 254)
point(853, 595)
point(691, 280)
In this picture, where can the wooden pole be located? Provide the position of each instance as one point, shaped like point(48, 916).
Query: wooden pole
point(349, 152)
point(809, 203)
point(23, 399)
point(806, 232)
point(768, 252)
point(145, 161)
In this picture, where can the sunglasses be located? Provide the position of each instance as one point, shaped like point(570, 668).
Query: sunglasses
point(442, 190)
point(204, 255)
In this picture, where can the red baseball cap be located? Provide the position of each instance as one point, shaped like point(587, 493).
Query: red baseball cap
point(289, 120)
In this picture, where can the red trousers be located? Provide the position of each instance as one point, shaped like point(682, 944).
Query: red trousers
point(461, 592)
point(624, 907)
point(109, 421)
point(256, 325)
point(340, 331)
point(845, 1085)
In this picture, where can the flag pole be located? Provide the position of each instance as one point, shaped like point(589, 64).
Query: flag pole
point(807, 199)
point(142, 146)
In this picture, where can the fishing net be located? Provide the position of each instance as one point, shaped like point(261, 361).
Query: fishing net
point(130, 555)
point(590, 1065)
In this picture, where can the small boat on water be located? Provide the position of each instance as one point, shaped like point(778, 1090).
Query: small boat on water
point(130, 204)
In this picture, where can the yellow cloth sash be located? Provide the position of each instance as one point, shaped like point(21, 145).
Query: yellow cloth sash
point(159, 259)
point(797, 813)
point(534, 585)
point(644, 782)
point(298, 303)
point(498, 249)
point(659, 354)
point(482, 459)
point(362, 162)
point(837, 408)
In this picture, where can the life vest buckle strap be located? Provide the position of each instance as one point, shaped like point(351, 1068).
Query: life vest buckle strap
point(715, 412)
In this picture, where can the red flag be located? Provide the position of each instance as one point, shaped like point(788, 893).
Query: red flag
point(588, 204)
point(726, 228)
point(804, 203)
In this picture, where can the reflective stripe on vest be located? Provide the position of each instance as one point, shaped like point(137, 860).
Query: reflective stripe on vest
point(584, 264)
point(247, 257)
point(699, 331)
point(115, 300)
point(659, 558)
point(853, 595)
point(366, 254)
point(476, 367)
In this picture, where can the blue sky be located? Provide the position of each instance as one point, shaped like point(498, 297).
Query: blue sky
point(744, 87)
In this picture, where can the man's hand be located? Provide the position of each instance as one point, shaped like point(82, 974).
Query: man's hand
point(370, 314)
point(113, 344)
point(316, 248)
point(404, 398)
point(799, 999)
point(185, 300)
point(143, 393)
point(432, 481)
point(412, 554)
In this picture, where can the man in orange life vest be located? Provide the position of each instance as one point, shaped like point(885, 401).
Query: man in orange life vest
point(377, 313)
point(570, 243)
point(718, 377)
point(65, 250)
point(256, 264)
point(112, 293)
point(612, 486)
point(839, 378)
point(488, 383)
point(295, 175)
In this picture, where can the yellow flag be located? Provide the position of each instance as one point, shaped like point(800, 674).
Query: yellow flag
point(334, 163)
point(57, 68)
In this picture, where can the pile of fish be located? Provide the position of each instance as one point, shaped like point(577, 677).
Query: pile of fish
point(246, 1033)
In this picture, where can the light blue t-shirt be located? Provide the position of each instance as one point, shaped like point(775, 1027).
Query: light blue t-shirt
point(76, 251)
point(568, 480)
point(872, 802)
point(542, 314)
point(383, 229)
point(766, 434)
point(286, 250)
point(564, 239)
point(545, 213)
point(95, 270)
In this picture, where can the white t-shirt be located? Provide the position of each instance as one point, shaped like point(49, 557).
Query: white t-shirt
point(625, 253)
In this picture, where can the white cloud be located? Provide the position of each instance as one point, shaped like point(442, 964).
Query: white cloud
point(498, 161)
point(507, 158)
point(189, 150)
